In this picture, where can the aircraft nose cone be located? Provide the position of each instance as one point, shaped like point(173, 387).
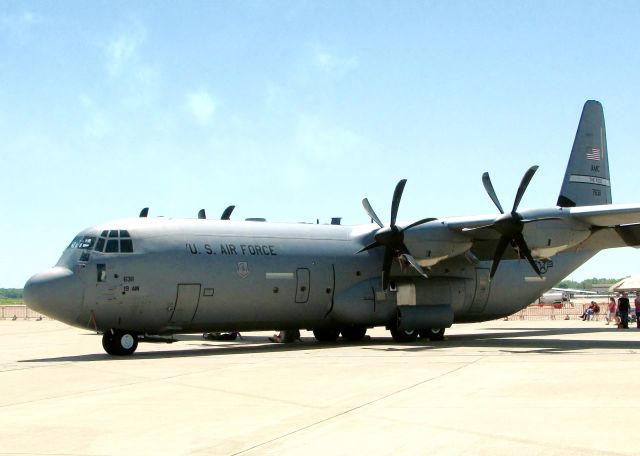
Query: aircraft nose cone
point(54, 293)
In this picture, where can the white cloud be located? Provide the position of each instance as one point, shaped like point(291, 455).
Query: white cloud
point(332, 64)
point(201, 105)
point(122, 51)
point(19, 25)
point(97, 125)
point(329, 142)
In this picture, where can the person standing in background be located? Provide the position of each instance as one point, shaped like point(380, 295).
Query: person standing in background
point(611, 310)
point(623, 310)
point(636, 302)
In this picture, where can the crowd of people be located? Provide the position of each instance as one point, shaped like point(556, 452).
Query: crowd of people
point(617, 311)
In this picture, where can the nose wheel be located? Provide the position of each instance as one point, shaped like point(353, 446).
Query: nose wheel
point(117, 342)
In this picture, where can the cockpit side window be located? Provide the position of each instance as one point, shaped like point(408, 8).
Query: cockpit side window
point(100, 244)
point(82, 242)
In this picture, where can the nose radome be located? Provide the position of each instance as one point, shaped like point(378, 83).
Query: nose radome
point(54, 293)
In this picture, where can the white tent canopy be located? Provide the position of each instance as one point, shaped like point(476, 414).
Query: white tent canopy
point(629, 284)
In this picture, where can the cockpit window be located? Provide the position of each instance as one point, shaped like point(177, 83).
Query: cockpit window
point(112, 246)
point(114, 241)
point(126, 246)
point(82, 242)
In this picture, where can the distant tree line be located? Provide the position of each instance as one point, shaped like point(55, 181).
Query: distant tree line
point(585, 284)
point(10, 293)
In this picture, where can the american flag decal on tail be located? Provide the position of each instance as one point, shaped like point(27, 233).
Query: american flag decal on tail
point(593, 153)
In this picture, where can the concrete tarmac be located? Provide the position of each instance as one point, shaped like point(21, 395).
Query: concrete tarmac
point(494, 388)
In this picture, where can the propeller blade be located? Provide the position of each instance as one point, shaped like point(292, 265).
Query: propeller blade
point(412, 261)
point(226, 215)
point(419, 222)
point(524, 183)
point(368, 247)
point(488, 186)
point(202, 214)
point(371, 212)
point(524, 248)
point(386, 268)
point(497, 256)
point(395, 203)
point(144, 212)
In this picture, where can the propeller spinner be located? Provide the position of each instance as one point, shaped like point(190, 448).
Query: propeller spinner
point(510, 225)
point(392, 237)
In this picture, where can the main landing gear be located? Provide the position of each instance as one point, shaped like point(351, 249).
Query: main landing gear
point(405, 335)
point(118, 342)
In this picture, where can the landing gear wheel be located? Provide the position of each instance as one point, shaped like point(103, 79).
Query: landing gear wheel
point(326, 334)
point(432, 334)
point(354, 333)
point(119, 343)
point(404, 335)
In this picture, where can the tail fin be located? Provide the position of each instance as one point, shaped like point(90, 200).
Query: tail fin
point(586, 181)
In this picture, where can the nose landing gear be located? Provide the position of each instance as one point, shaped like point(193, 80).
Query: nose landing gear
point(118, 342)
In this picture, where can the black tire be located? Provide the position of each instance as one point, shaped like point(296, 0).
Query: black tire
point(326, 334)
point(354, 333)
point(404, 335)
point(119, 343)
point(432, 334)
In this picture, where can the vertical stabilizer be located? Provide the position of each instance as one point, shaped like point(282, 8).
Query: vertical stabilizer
point(586, 181)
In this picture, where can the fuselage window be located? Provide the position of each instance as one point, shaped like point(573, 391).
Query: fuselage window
point(112, 246)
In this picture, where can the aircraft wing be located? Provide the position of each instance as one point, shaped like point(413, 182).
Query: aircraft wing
point(607, 215)
point(547, 231)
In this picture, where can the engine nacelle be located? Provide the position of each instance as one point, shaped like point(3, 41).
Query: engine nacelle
point(433, 244)
point(545, 238)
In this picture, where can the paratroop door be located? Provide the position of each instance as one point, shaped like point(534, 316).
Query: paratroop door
point(186, 305)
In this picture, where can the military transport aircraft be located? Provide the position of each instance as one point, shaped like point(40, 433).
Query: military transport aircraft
point(146, 279)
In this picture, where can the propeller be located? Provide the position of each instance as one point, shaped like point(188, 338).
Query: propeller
point(510, 225)
point(392, 237)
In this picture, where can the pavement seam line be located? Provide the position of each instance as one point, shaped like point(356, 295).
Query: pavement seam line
point(345, 412)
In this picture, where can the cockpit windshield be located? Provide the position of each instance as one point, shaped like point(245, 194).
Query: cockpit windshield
point(82, 242)
point(114, 241)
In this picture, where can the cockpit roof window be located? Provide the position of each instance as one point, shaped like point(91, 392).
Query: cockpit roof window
point(113, 233)
point(124, 234)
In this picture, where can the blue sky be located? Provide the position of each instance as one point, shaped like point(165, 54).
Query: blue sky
point(296, 110)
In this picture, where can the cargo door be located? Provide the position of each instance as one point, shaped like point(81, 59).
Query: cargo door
point(187, 299)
